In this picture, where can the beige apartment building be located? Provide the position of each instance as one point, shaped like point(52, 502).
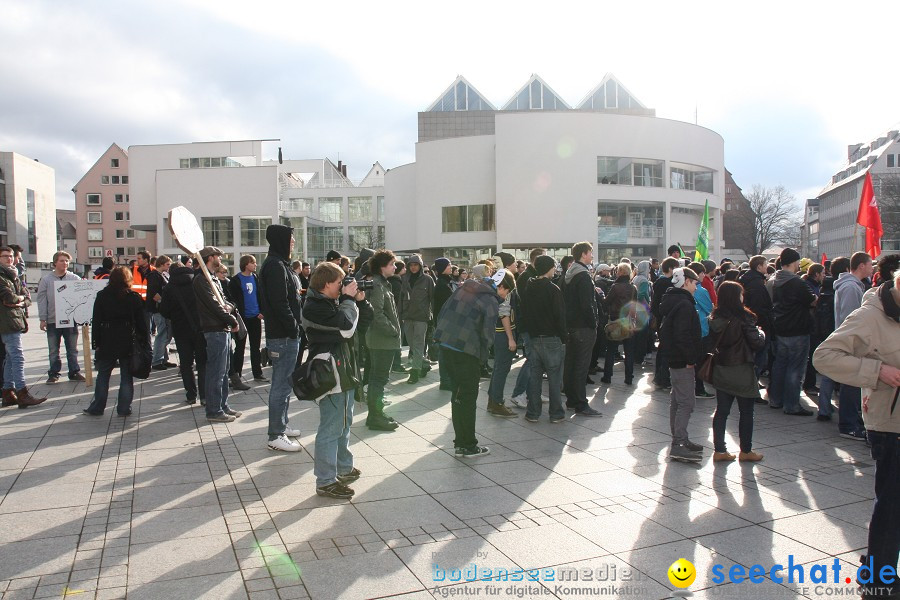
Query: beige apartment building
point(103, 213)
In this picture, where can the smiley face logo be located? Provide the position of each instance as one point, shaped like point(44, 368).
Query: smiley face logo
point(682, 573)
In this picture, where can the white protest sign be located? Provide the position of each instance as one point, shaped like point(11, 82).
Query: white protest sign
point(75, 301)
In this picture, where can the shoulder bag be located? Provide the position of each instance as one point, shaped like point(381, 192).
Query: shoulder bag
point(708, 363)
point(314, 378)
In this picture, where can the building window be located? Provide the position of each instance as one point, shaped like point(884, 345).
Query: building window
point(253, 230)
point(104, 180)
point(648, 173)
point(93, 199)
point(613, 170)
point(95, 251)
point(728, 189)
point(130, 251)
point(120, 250)
point(473, 217)
point(813, 228)
point(380, 203)
point(114, 163)
point(362, 237)
point(360, 208)
point(32, 231)
point(115, 180)
point(124, 234)
point(95, 235)
point(120, 198)
point(218, 231)
point(299, 204)
point(299, 229)
point(683, 178)
point(206, 162)
point(124, 179)
point(122, 216)
point(95, 217)
point(331, 210)
point(323, 239)
point(890, 160)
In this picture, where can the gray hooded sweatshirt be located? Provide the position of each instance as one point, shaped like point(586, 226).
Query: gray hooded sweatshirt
point(848, 295)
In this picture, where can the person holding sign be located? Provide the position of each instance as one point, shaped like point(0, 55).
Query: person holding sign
point(46, 299)
point(13, 324)
point(118, 322)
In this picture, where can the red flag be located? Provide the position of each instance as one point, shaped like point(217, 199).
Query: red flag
point(869, 217)
point(824, 258)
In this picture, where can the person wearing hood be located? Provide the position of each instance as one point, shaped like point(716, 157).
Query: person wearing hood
point(680, 344)
point(180, 307)
point(382, 339)
point(792, 301)
point(758, 300)
point(662, 284)
point(863, 352)
point(465, 332)
point(644, 286)
point(442, 293)
point(581, 323)
point(848, 294)
point(737, 340)
point(416, 298)
point(279, 303)
point(105, 268)
point(704, 306)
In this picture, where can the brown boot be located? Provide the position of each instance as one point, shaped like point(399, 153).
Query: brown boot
point(25, 399)
point(9, 398)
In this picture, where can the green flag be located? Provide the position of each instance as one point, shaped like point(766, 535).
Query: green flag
point(702, 251)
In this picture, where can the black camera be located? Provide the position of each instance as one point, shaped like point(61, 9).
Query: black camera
point(363, 285)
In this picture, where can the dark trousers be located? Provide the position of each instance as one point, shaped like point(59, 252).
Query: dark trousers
point(444, 370)
point(809, 380)
point(884, 528)
point(191, 349)
point(464, 371)
point(380, 362)
point(641, 344)
point(849, 400)
point(611, 349)
point(101, 386)
point(724, 401)
point(254, 335)
point(661, 375)
point(599, 346)
point(575, 370)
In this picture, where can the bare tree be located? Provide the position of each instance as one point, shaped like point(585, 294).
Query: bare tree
point(370, 236)
point(887, 194)
point(774, 217)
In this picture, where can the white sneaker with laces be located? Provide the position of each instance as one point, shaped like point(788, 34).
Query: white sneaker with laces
point(291, 432)
point(284, 444)
point(520, 401)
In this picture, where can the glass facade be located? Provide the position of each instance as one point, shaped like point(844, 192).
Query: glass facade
point(299, 229)
point(681, 178)
point(32, 231)
point(331, 210)
point(472, 217)
point(359, 208)
point(623, 223)
point(253, 230)
point(218, 231)
point(323, 239)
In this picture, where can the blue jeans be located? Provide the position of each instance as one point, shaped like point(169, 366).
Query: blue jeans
point(163, 337)
point(333, 456)
point(14, 365)
point(524, 376)
point(884, 528)
point(848, 409)
point(787, 372)
point(54, 336)
point(101, 387)
point(218, 357)
point(283, 354)
point(826, 391)
point(502, 363)
point(761, 359)
point(547, 355)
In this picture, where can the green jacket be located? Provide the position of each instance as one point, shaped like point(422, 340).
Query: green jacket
point(384, 332)
point(13, 301)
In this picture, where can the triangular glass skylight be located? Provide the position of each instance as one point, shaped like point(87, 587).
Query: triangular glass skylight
point(536, 95)
point(610, 94)
point(460, 96)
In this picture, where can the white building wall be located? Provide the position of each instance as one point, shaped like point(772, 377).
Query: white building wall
point(400, 209)
point(21, 174)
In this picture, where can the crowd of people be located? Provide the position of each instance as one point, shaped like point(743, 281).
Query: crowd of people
point(789, 326)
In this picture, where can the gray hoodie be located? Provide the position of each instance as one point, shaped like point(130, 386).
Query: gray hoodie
point(848, 295)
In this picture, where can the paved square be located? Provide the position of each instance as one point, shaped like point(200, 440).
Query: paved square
point(163, 504)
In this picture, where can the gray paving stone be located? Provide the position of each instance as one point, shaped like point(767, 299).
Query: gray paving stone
point(180, 558)
point(223, 585)
point(385, 515)
point(545, 546)
point(468, 504)
point(37, 524)
point(325, 522)
point(352, 577)
point(37, 557)
point(158, 526)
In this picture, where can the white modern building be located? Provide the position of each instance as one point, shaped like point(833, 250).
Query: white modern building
point(538, 172)
point(235, 195)
point(830, 219)
point(28, 207)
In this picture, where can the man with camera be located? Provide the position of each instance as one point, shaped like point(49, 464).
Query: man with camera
point(330, 316)
point(279, 301)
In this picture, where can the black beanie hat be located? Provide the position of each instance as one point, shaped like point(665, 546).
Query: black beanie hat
point(543, 263)
point(788, 256)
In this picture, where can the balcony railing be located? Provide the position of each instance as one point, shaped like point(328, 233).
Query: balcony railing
point(613, 234)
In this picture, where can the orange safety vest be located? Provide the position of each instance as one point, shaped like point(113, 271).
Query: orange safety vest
point(139, 284)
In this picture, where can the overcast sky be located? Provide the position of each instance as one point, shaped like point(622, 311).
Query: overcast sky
point(788, 85)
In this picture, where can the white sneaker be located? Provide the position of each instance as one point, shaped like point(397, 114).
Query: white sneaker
point(291, 432)
point(284, 444)
point(520, 401)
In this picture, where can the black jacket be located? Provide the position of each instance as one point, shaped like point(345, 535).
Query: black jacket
point(757, 299)
point(581, 298)
point(544, 308)
point(679, 331)
point(213, 316)
point(117, 322)
point(791, 305)
point(823, 317)
point(279, 288)
point(330, 326)
point(620, 293)
point(442, 293)
point(179, 304)
point(156, 282)
point(659, 288)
